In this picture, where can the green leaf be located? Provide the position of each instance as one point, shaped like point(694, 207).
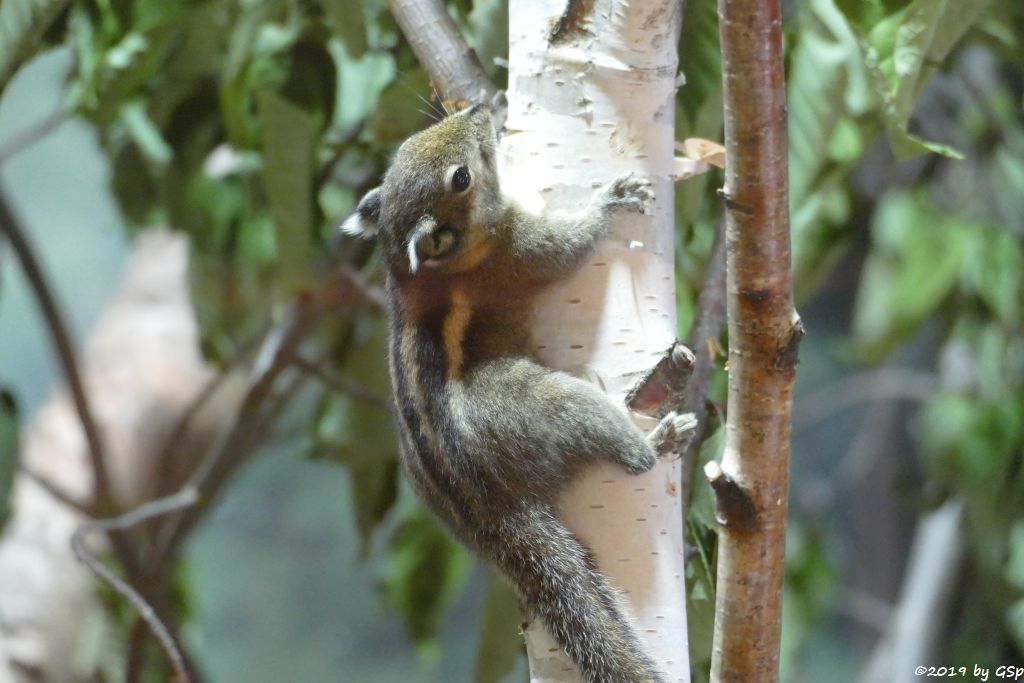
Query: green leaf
point(702, 503)
point(312, 79)
point(915, 262)
point(360, 83)
point(425, 570)
point(501, 645)
point(360, 435)
point(487, 35)
point(822, 65)
point(22, 24)
point(133, 185)
point(8, 451)
point(289, 138)
point(995, 270)
point(699, 57)
point(973, 444)
point(374, 493)
point(397, 115)
point(810, 588)
point(145, 134)
point(829, 93)
point(902, 51)
point(700, 599)
point(348, 22)
point(254, 62)
point(1015, 562)
point(929, 31)
point(1015, 622)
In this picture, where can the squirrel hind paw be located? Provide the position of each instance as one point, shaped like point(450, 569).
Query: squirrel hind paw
point(630, 192)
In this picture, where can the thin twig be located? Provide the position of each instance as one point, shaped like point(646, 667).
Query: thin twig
point(349, 277)
point(183, 499)
point(341, 384)
point(913, 633)
point(704, 334)
point(32, 134)
point(883, 384)
point(181, 428)
point(56, 492)
point(65, 350)
point(276, 354)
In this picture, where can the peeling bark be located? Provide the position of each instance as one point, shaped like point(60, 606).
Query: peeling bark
point(592, 102)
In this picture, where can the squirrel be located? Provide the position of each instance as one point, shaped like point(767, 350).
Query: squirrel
point(489, 436)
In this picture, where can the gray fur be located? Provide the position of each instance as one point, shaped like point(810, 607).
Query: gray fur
point(489, 436)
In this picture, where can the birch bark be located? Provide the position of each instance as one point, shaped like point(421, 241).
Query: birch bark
point(594, 104)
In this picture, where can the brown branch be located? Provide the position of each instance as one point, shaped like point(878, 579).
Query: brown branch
point(452, 65)
point(33, 134)
point(56, 492)
point(102, 503)
point(174, 440)
point(355, 284)
point(915, 629)
point(279, 349)
point(703, 339)
point(883, 384)
point(61, 338)
point(342, 385)
point(734, 509)
point(764, 333)
point(162, 506)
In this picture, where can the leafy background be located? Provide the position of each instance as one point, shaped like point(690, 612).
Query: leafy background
point(253, 125)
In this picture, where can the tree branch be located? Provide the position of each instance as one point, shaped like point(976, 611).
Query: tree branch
point(764, 334)
point(876, 385)
point(277, 353)
point(162, 506)
point(452, 65)
point(102, 494)
point(342, 385)
point(21, 26)
point(734, 509)
point(918, 619)
point(703, 339)
point(33, 134)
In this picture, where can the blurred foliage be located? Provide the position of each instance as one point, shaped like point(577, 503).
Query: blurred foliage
point(23, 24)
point(8, 450)
point(254, 125)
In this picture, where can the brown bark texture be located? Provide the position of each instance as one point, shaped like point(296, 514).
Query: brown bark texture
point(454, 69)
point(764, 332)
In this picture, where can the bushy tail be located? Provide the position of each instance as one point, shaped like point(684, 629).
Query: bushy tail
point(556, 577)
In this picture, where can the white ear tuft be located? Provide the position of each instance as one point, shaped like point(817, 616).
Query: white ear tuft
point(357, 226)
point(363, 223)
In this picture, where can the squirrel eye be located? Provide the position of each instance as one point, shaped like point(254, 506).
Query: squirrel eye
point(461, 180)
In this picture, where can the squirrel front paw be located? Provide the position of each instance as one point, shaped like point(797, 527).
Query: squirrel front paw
point(639, 458)
point(629, 193)
point(673, 433)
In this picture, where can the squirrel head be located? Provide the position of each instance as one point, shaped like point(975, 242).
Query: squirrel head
point(440, 197)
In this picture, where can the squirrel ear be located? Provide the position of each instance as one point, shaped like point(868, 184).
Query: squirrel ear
point(363, 223)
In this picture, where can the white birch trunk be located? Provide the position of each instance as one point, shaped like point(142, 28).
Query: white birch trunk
point(581, 113)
